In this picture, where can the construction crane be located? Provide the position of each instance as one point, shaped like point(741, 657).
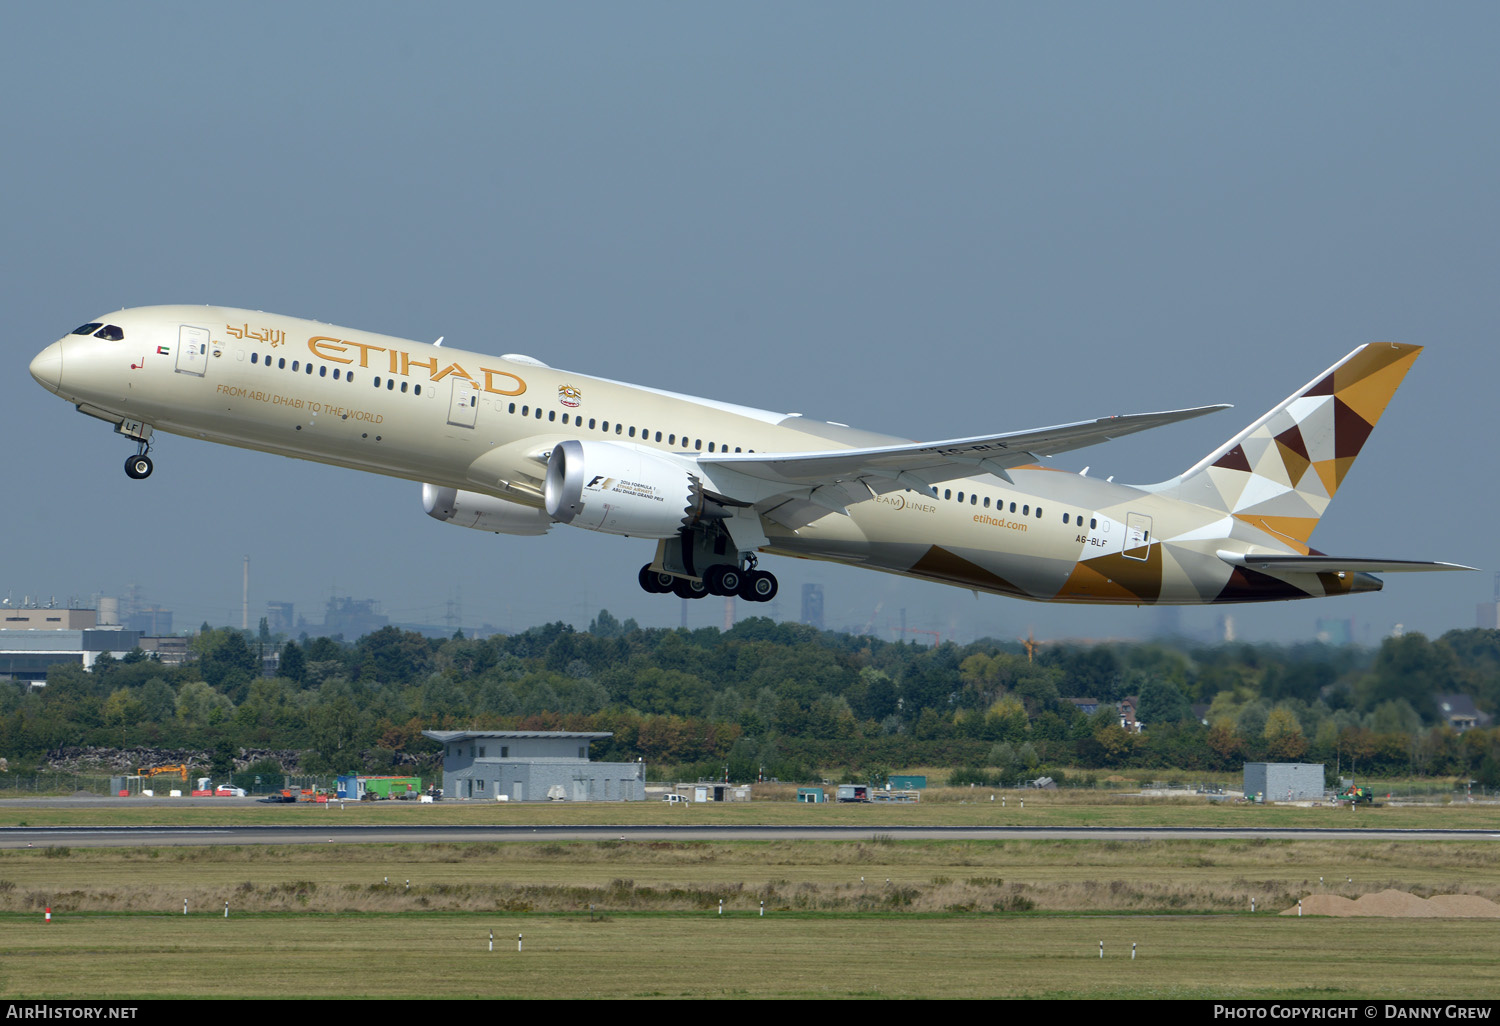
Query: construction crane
point(156, 771)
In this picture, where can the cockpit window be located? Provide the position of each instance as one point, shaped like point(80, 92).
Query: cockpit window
point(88, 329)
point(109, 333)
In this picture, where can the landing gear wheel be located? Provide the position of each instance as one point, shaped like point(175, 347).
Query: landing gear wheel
point(138, 467)
point(684, 588)
point(654, 582)
point(758, 586)
point(731, 579)
point(722, 579)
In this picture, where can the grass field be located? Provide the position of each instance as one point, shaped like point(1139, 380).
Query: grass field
point(942, 807)
point(875, 917)
point(703, 956)
point(956, 919)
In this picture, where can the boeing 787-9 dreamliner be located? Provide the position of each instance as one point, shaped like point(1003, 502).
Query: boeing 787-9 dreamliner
point(510, 445)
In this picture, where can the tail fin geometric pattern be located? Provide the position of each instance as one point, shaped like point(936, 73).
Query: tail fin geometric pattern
point(1280, 473)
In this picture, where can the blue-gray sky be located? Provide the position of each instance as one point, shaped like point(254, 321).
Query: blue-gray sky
point(932, 220)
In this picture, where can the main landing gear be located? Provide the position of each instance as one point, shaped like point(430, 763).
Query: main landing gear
point(748, 583)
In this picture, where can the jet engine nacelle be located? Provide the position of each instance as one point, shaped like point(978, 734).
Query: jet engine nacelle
point(483, 512)
point(618, 489)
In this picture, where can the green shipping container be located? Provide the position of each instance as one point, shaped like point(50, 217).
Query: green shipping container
point(393, 787)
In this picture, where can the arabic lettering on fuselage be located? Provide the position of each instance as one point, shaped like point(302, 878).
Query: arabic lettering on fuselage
point(401, 362)
point(271, 336)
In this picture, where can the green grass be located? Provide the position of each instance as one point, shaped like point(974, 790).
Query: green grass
point(703, 956)
point(947, 808)
point(959, 918)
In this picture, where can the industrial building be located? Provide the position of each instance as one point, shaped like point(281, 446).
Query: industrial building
point(1285, 781)
point(533, 765)
point(35, 638)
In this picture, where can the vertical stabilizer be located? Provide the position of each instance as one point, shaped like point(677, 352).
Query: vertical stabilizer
point(1280, 473)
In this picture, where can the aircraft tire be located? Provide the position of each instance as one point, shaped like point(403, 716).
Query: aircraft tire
point(654, 583)
point(684, 588)
point(730, 578)
point(722, 579)
point(138, 467)
point(758, 586)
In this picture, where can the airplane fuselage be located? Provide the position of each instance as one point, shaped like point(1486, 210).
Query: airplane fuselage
point(474, 423)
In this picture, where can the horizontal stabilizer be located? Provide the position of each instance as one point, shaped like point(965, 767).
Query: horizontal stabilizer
point(1294, 564)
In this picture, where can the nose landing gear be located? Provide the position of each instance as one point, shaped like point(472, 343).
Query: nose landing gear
point(138, 467)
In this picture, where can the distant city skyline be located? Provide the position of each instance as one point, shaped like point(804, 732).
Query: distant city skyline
point(1166, 624)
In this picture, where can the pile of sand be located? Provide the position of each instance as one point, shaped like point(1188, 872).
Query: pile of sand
point(1394, 904)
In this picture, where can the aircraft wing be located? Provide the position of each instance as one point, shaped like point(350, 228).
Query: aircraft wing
point(1294, 564)
point(803, 486)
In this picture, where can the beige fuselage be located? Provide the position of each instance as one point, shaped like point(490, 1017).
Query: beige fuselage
point(460, 419)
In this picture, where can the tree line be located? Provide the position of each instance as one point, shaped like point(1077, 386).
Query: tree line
point(782, 700)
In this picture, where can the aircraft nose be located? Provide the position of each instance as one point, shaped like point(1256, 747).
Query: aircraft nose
point(47, 367)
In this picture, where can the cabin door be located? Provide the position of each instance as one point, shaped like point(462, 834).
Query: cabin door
point(192, 350)
point(464, 406)
point(1137, 536)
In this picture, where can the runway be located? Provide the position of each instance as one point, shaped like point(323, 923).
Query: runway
point(155, 836)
